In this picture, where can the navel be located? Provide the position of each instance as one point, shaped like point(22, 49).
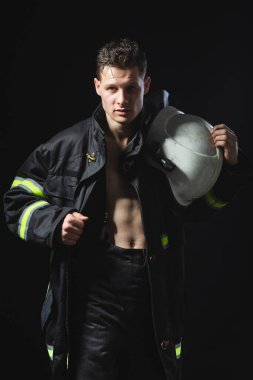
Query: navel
point(132, 243)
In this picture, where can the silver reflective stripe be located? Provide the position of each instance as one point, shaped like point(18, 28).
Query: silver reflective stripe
point(48, 288)
point(178, 350)
point(213, 201)
point(25, 217)
point(29, 185)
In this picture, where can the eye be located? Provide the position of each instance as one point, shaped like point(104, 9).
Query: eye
point(111, 88)
point(131, 89)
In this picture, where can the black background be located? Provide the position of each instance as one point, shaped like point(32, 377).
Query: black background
point(202, 55)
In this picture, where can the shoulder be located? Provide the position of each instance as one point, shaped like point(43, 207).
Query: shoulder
point(73, 133)
point(157, 100)
point(69, 139)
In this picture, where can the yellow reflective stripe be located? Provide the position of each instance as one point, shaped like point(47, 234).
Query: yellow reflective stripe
point(165, 241)
point(178, 350)
point(25, 217)
point(50, 350)
point(30, 185)
point(212, 201)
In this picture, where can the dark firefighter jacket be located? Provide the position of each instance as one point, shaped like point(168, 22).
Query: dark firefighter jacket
point(67, 173)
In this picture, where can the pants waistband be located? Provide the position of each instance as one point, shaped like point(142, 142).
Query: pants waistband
point(136, 255)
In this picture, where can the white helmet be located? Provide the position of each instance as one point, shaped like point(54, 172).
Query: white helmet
point(180, 144)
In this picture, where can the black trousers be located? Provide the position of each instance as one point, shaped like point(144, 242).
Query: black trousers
point(111, 334)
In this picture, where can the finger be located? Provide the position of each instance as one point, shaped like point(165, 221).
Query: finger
point(72, 227)
point(224, 134)
point(79, 216)
point(77, 224)
point(73, 231)
point(225, 139)
point(69, 237)
point(68, 241)
point(73, 220)
point(222, 129)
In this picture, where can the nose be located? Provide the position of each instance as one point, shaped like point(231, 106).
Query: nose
point(122, 98)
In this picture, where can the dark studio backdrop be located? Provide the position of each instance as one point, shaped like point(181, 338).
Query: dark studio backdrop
point(203, 57)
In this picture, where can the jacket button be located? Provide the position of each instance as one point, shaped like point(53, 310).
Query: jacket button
point(165, 344)
point(152, 258)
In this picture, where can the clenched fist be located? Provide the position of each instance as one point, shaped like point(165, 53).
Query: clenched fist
point(72, 228)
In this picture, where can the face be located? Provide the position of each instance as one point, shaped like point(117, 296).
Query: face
point(121, 92)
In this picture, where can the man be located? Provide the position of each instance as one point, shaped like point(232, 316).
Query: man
point(114, 306)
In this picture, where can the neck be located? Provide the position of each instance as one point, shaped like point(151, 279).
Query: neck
point(121, 137)
point(122, 132)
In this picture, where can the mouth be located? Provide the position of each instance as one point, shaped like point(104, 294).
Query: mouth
point(122, 111)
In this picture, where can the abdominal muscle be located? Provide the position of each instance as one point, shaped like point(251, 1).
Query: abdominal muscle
point(124, 224)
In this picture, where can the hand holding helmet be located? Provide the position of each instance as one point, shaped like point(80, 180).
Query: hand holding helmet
point(189, 151)
point(225, 138)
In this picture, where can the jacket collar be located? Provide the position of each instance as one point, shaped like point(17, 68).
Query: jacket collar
point(95, 155)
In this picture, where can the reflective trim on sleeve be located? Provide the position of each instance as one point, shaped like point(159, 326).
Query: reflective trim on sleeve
point(29, 185)
point(50, 350)
point(178, 350)
point(165, 241)
point(26, 215)
point(48, 288)
point(213, 201)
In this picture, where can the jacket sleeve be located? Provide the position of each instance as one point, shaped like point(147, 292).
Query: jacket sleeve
point(28, 211)
point(232, 178)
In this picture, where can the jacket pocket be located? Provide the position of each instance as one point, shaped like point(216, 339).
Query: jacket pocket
point(61, 187)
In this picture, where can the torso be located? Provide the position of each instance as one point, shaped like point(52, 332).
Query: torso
point(124, 223)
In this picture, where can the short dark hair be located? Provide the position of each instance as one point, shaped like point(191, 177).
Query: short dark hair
point(122, 53)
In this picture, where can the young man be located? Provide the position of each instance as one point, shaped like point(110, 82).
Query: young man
point(114, 306)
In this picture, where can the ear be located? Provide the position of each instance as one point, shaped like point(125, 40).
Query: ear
point(147, 82)
point(97, 86)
